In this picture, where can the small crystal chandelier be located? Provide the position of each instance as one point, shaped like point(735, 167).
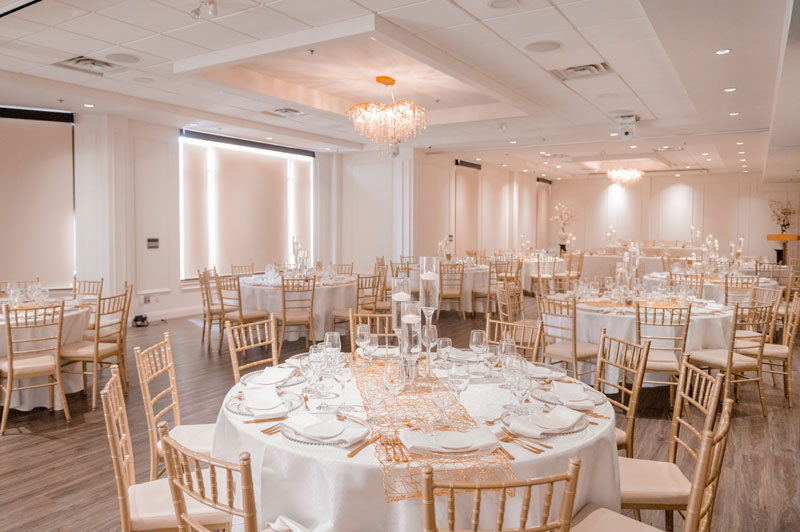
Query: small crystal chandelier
point(387, 123)
point(625, 176)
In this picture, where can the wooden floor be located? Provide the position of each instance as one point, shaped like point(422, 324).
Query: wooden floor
point(57, 476)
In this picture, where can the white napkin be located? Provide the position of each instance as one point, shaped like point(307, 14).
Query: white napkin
point(284, 524)
point(264, 402)
point(352, 432)
point(461, 355)
point(381, 352)
point(567, 393)
point(416, 441)
point(273, 375)
point(293, 362)
point(526, 426)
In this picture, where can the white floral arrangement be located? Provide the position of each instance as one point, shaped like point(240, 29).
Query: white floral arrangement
point(563, 215)
point(782, 212)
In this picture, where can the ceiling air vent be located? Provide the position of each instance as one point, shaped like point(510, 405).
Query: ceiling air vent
point(288, 112)
point(582, 71)
point(89, 65)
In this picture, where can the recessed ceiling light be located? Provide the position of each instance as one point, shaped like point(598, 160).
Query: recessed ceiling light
point(729, 89)
point(705, 153)
point(546, 162)
point(688, 166)
point(512, 141)
point(544, 175)
point(741, 153)
point(373, 38)
point(89, 105)
point(613, 134)
point(723, 51)
point(742, 160)
point(558, 178)
point(733, 114)
point(634, 146)
point(708, 159)
point(677, 175)
point(192, 124)
point(542, 152)
point(505, 165)
point(739, 143)
point(477, 158)
point(558, 166)
point(327, 149)
point(543, 46)
point(665, 147)
point(269, 138)
point(745, 171)
point(526, 170)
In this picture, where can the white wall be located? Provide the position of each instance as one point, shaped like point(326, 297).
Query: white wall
point(664, 208)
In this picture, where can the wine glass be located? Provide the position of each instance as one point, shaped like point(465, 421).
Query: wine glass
point(520, 389)
point(316, 364)
point(394, 379)
point(333, 345)
point(343, 374)
point(443, 348)
point(362, 336)
point(442, 398)
point(374, 395)
point(372, 345)
point(458, 379)
point(429, 337)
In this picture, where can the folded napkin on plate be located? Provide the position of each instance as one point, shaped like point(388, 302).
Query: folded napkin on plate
point(381, 352)
point(460, 355)
point(527, 427)
point(294, 362)
point(273, 375)
point(416, 441)
point(572, 395)
point(284, 524)
point(352, 433)
point(264, 402)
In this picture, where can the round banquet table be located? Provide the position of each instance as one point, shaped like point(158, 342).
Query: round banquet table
point(322, 490)
point(599, 266)
point(711, 290)
point(75, 322)
point(474, 276)
point(259, 294)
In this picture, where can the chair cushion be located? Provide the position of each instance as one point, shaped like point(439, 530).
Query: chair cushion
point(383, 306)
point(620, 435)
point(563, 350)
point(718, 359)
point(593, 518)
point(778, 351)
point(84, 350)
point(341, 313)
point(652, 482)
point(663, 361)
point(151, 504)
point(747, 334)
point(198, 437)
point(34, 364)
point(451, 294)
point(247, 315)
point(296, 316)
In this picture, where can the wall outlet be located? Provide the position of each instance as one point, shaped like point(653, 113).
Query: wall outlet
point(146, 300)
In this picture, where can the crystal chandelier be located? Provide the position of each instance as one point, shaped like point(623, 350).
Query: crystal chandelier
point(387, 123)
point(625, 176)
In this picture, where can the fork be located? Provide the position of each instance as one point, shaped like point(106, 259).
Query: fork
point(521, 444)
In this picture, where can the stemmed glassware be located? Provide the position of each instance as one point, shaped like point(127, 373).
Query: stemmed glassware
point(375, 395)
point(362, 337)
point(429, 337)
point(394, 379)
point(428, 295)
point(521, 387)
point(315, 364)
point(410, 338)
point(478, 345)
point(343, 373)
point(371, 346)
point(443, 347)
point(458, 379)
point(442, 397)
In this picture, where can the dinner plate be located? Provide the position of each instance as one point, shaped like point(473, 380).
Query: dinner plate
point(453, 441)
point(579, 426)
point(234, 405)
point(552, 421)
point(325, 430)
point(294, 380)
point(541, 372)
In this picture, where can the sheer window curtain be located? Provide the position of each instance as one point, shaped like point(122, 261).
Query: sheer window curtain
point(241, 205)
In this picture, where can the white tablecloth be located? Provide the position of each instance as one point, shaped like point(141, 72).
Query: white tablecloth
point(530, 267)
point(474, 276)
point(714, 291)
point(75, 322)
point(256, 295)
point(320, 488)
point(599, 266)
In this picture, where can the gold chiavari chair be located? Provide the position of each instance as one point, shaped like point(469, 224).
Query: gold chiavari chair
point(780, 355)
point(210, 311)
point(399, 269)
point(368, 289)
point(472, 253)
point(666, 262)
point(229, 292)
point(451, 286)
point(510, 303)
point(526, 336)
point(794, 264)
point(380, 324)
point(739, 289)
point(196, 479)
point(545, 270)
point(621, 366)
point(543, 488)
point(497, 272)
point(86, 288)
point(666, 328)
point(765, 296)
point(409, 259)
point(702, 494)
point(657, 485)
point(559, 334)
point(298, 307)
point(343, 269)
point(255, 335)
point(209, 284)
point(21, 285)
point(159, 384)
point(558, 284)
point(693, 282)
point(33, 343)
point(575, 267)
point(243, 270)
point(731, 362)
point(148, 505)
point(107, 347)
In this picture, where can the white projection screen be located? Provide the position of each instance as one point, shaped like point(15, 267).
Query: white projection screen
point(37, 202)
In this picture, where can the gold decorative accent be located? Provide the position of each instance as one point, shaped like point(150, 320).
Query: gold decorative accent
point(402, 478)
point(389, 123)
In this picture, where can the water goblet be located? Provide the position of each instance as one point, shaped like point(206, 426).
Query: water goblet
point(362, 336)
point(394, 379)
point(458, 379)
point(443, 347)
point(442, 398)
point(374, 395)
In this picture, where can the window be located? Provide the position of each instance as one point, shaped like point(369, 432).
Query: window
point(242, 204)
point(37, 201)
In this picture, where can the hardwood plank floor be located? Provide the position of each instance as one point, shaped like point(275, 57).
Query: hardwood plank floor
point(57, 476)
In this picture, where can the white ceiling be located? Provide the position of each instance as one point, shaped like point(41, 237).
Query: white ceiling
point(492, 87)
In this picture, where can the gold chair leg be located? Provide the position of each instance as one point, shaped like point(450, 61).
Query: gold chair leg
point(203, 336)
point(787, 382)
point(94, 385)
point(6, 406)
point(83, 376)
point(61, 393)
point(761, 394)
point(51, 391)
point(669, 524)
point(637, 514)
